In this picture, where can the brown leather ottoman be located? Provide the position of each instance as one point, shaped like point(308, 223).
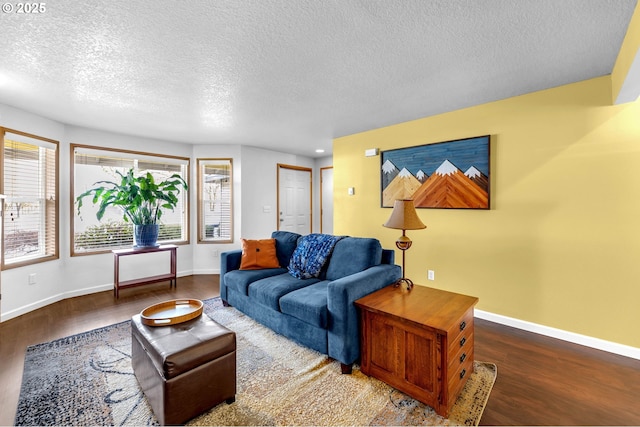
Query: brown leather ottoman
point(184, 369)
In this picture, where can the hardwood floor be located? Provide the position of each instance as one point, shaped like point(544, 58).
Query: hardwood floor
point(541, 381)
point(75, 315)
point(545, 381)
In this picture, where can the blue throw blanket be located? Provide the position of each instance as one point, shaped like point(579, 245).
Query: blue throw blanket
point(311, 254)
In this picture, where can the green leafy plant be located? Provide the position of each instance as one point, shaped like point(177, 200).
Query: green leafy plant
point(140, 198)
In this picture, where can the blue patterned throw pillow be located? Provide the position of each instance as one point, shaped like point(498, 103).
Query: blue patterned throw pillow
point(311, 254)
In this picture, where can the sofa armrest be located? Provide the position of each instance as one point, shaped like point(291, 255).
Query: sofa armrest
point(388, 256)
point(343, 331)
point(229, 261)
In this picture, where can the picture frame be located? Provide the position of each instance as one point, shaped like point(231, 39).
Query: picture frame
point(447, 175)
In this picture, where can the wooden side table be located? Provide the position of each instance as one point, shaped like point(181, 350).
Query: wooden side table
point(171, 276)
point(418, 341)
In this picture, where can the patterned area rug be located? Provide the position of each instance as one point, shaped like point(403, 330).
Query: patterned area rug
point(86, 379)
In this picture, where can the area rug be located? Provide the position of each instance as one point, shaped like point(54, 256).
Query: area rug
point(87, 379)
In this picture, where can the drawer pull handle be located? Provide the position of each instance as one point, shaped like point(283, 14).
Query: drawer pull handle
point(463, 325)
point(463, 373)
point(462, 341)
point(463, 357)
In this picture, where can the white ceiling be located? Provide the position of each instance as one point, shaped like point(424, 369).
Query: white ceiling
point(291, 75)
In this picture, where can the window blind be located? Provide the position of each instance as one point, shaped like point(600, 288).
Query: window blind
point(30, 208)
point(215, 214)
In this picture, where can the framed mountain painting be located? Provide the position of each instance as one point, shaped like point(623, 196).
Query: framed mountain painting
point(449, 175)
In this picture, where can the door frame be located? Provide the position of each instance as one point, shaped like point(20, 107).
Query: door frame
point(321, 192)
point(298, 168)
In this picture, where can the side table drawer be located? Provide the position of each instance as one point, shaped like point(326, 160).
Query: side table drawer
point(459, 376)
point(461, 334)
point(462, 356)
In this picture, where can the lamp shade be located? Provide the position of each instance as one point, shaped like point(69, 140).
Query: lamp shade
point(404, 216)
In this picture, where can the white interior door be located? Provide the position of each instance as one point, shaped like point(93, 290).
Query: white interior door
point(294, 199)
point(326, 200)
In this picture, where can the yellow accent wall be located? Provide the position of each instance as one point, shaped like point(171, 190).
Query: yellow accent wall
point(560, 245)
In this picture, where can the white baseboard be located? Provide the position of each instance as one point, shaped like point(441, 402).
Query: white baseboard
point(608, 346)
point(52, 299)
point(207, 271)
point(64, 295)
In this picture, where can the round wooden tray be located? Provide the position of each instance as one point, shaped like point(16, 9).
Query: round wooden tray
point(171, 312)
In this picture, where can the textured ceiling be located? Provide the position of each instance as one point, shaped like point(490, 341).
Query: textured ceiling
point(291, 75)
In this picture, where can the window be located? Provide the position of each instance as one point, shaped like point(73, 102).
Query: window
point(30, 183)
point(93, 164)
point(215, 213)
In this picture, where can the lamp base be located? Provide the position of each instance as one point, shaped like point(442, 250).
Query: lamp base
point(404, 281)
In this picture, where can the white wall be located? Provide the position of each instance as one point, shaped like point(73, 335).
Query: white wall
point(254, 187)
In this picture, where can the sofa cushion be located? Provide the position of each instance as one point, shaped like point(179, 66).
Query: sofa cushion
point(269, 291)
point(286, 243)
point(257, 254)
point(352, 255)
point(239, 280)
point(308, 304)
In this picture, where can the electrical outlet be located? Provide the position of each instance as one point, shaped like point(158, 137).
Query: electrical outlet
point(32, 278)
point(431, 275)
point(216, 253)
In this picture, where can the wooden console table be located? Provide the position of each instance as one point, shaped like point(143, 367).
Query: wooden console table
point(418, 341)
point(171, 277)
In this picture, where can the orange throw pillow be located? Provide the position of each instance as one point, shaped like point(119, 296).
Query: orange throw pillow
point(257, 254)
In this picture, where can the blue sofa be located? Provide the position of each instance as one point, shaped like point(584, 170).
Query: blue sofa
point(317, 312)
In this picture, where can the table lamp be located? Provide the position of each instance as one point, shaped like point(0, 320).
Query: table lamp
point(404, 217)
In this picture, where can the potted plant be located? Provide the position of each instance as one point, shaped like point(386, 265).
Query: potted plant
point(141, 200)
